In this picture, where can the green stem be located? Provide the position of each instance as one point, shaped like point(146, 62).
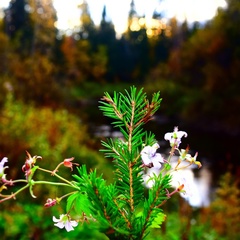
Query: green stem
point(171, 153)
point(183, 167)
point(55, 184)
point(21, 189)
point(68, 194)
point(130, 128)
point(19, 180)
point(58, 176)
point(131, 187)
point(13, 195)
point(130, 162)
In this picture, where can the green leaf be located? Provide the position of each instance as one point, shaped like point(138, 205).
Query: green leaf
point(158, 220)
point(70, 201)
point(80, 202)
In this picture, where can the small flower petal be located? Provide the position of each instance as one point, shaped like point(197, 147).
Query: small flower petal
point(2, 168)
point(157, 165)
point(146, 154)
point(156, 146)
point(59, 225)
point(3, 161)
point(168, 136)
point(157, 160)
point(74, 223)
point(181, 134)
point(150, 158)
point(68, 226)
point(64, 221)
point(55, 219)
point(175, 137)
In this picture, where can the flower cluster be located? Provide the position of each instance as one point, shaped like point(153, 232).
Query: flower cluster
point(184, 155)
point(29, 169)
point(154, 160)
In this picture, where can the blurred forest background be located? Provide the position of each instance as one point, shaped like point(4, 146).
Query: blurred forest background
point(51, 82)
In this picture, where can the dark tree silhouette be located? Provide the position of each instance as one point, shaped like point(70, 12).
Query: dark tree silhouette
point(18, 25)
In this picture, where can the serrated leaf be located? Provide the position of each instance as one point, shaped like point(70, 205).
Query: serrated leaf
point(80, 202)
point(70, 201)
point(158, 220)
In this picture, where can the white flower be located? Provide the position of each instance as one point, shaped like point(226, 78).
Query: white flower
point(175, 137)
point(4, 160)
point(150, 157)
point(64, 221)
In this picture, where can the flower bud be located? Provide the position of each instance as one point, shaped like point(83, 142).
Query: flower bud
point(68, 163)
point(50, 202)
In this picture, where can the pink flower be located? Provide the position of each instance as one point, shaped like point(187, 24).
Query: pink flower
point(150, 157)
point(68, 163)
point(65, 222)
point(175, 137)
point(50, 202)
point(29, 164)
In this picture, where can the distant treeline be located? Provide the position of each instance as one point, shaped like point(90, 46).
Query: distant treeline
point(196, 67)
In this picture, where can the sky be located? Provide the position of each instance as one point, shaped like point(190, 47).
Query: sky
point(117, 11)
